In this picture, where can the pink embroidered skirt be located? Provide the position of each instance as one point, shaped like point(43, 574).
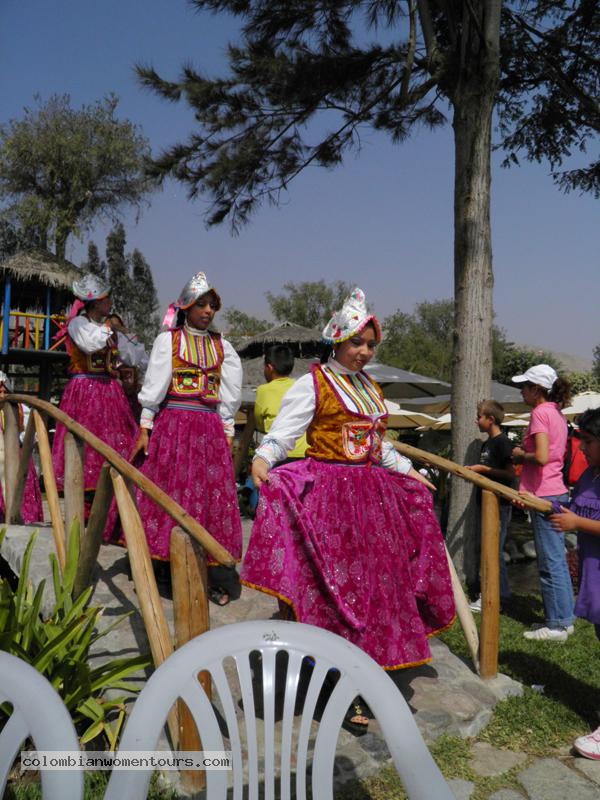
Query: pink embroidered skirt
point(100, 405)
point(189, 458)
point(356, 550)
point(31, 507)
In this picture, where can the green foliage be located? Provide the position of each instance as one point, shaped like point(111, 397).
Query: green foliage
point(596, 364)
point(422, 341)
point(59, 647)
point(394, 66)
point(61, 169)
point(240, 324)
point(515, 360)
point(309, 303)
point(583, 382)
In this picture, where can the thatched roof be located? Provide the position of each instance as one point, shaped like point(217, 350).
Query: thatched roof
point(284, 333)
point(42, 266)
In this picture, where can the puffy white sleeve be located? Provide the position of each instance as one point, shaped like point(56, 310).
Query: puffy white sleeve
point(295, 415)
point(88, 336)
point(393, 460)
point(230, 389)
point(132, 352)
point(157, 379)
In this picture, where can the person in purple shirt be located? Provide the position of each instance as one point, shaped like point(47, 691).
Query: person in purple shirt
point(584, 517)
point(542, 457)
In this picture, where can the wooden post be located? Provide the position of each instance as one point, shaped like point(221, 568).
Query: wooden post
point(191, 616)
point(490, 585)
point(463, 612)
point(56, 520)
point(244, 443)
point(146, 589)
point(73, 491)
point(14, 517)
point(90, 543)
point(12, 454)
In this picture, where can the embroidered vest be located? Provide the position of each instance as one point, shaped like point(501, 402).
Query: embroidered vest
point(20, 418)
point(101, 362)
point(196, 365)
point(337, 434)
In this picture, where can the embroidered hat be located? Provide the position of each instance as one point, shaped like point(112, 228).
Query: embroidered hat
point(541, 375)
point(194, 288)
point(350, 319)
point(90, 287)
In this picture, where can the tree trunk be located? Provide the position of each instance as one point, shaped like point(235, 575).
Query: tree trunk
point(473, 102)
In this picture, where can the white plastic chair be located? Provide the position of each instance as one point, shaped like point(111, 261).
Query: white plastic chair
point(39, 714)
point(177, 677)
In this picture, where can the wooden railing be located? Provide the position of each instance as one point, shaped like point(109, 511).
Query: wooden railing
point(32, 331)
point(483, 646)
point(189, 540)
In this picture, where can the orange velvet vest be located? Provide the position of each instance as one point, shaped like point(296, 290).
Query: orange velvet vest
point(337, 434)
point(196, 367)
point(102, 362)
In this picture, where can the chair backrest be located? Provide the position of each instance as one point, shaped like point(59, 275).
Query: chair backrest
point(38, 714)
point(291, 663)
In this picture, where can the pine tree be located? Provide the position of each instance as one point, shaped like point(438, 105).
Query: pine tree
point(121, 286)
point(146, 322)
point(93, 264)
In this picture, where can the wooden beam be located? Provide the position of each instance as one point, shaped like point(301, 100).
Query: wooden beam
point(56, 520)
point(533, 503)
point(74, 480)
point(12, 455)
point(463, 612)
point(490, 585)
point(14, 517)
point(91, 541)
point(161, 498)
point(151, 608)
point(191, 616)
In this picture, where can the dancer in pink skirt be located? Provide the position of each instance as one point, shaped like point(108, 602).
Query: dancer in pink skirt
point(347, 538)
point(97, 345)
point(189, 398)
point(31, 507)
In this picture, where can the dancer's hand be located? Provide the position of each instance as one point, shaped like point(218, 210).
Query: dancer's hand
point(260, 472)
point(230, 442)
point(142, 443)
point(422, 479)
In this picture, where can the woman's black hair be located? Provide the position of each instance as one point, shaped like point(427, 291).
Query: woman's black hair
point(326, 352)
point(589, 422)
point(180, 318)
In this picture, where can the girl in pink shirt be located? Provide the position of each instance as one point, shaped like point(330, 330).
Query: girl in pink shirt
point(542, 457)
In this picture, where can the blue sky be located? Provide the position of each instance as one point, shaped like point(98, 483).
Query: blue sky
point(383, 220)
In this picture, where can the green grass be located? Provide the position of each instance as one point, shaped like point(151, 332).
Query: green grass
point(25, 788)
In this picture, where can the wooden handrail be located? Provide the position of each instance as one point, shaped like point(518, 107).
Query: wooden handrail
point(161, 498)
point(529, 501)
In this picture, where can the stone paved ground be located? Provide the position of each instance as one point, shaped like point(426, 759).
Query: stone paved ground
point(445, 695)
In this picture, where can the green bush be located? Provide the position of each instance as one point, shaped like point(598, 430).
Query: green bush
point(59, 646)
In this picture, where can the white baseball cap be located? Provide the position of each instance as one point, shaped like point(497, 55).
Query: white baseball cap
point(541, 375)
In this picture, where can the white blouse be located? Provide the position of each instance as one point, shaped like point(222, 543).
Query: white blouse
point(91, 336)
point(160, 372)
point(295, 415)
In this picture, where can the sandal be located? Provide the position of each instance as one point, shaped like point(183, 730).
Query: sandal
point(218, 595)
point(351, 723)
